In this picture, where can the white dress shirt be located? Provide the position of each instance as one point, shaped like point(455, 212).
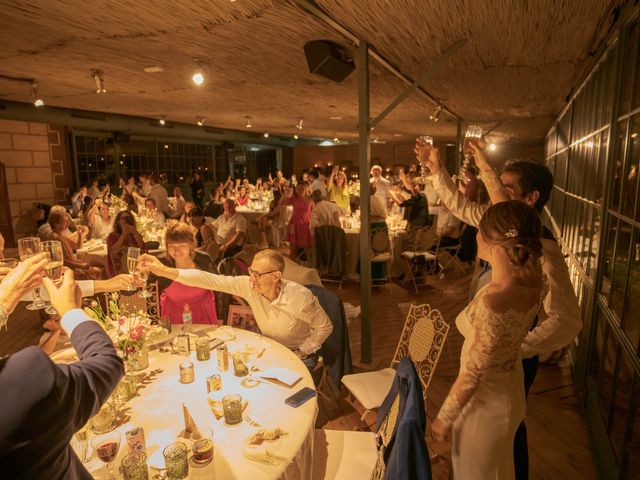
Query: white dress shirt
point(561, 320)
point(227, 227)
point(382, 188)
point(159, 195)
point(318, 184)
point(295, 318)
point(325, 213)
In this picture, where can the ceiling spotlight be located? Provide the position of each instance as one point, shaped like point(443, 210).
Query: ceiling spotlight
point(299, 124)
point(163, 120)
point(492, 147)
point(336, 140)
point(590, 144)
point(435, 116)
point(200, 121)
point(295, 137)
point(198, 75)
point(266, 135)
point(37, 101)
point(166, 145)
point(98, 78)
point(247, 122)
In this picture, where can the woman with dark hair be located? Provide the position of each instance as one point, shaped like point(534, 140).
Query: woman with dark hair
point(123, 236)
point(174, 296)
point(487, 401)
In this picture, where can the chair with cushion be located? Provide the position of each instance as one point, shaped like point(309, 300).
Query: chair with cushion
point(329, 253)
point(380, 254)
point(421, 258)
point(422, 340)
point(133, 302)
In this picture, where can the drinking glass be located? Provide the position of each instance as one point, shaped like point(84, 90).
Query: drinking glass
point(105, 419)
point(106, 447)
point(202, 448)
point(175, 461)
point(134, 466)
point(473, 132)
point(133, 254)
point(232, 408)
point(54, 267)
point(28, 247)
point(82, 436)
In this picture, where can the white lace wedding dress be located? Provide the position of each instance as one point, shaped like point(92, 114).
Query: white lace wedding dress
point(487, 402)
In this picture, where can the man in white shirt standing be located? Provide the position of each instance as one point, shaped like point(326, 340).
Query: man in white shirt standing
point(382, 184)
point(231, 229)
point(324, 212)
point(159, 195)
point(317, 182)
point(285, 311)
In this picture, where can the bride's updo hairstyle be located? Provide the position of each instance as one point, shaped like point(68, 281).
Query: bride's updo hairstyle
point(514, 226)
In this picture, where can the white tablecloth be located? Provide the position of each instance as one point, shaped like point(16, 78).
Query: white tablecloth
point(396, 238)
point(252, 216)
point(158, 409)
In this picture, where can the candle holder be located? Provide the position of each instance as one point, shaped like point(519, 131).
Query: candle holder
point(232, 408)
point(203, 350)
point(134, 466)
point(187, 372)
point(240, 368)
point(176, 461)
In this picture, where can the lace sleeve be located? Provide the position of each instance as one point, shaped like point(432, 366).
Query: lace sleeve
point(497, 192)
point(489, 330)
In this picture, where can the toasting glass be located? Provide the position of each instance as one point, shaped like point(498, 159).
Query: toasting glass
point(54, 267)
point(133, 254)
point(28, 247)
point(473, 133)
point(106, 448)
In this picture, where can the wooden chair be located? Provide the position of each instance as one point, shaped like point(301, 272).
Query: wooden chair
point(133, 302)
point(421, 259)
point(422, 340)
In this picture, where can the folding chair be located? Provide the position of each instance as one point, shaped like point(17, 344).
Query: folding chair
point(422, 340)
point(133, 302)
point(380, 253)
point(329, 252)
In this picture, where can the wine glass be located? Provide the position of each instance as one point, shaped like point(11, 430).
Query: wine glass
point(54, 267)
point(82, 436)
point(474, 133)
point(28, 247)
point(106, 447)
point(133, 254)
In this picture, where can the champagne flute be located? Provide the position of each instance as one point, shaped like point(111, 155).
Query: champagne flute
point(54, 267)
point(82, 436)
point(106, 447)
point(133, 254)
point(424, 171)
point(28, 247)
point(474, 133)
point(144, 276)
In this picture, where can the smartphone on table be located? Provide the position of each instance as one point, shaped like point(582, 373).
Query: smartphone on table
point(300, 397)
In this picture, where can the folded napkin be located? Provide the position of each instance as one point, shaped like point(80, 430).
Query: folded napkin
point(279, 376)
point(254, 447)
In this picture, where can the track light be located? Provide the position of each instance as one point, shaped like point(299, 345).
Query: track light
point(265, 135)
point(295, 137)
point(247, 122)
point(200, 121)
point(37, 101)
point(336, 140)
point(435, 116)
point(299, 124)
point(163, 120)
point(98, 78)
point(492, 147)
point(198, 75)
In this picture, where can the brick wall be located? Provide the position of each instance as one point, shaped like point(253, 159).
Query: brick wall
point(26, 154)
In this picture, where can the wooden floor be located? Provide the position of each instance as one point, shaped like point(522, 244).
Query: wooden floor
point(559, 445)
point(558, 440)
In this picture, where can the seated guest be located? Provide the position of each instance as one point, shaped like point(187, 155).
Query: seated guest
point(44, 230)
point(213, 208)
point(152, 212)
point(77, 200)
point(448, 228)
point(324, 212)
point(44, 404)
point(100, 220)
point(204, 233)
point(94, 190)
point(285, 311)
point(182, 253)
point(177, 208)
point(242, 198)
point(230, 230)
point(59, 221)
point(130, 186)
point(123, 236)
point(87, 205)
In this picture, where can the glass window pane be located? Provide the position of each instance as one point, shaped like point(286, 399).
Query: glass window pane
point(598, 348)
point(621, 399)
point(631, 463)
point(623, 244)
point(602, 165)
point(631, 187)
point(618, 170)
point(607, 370)
point(628, 69)
point(631, 319)
point(610, 240)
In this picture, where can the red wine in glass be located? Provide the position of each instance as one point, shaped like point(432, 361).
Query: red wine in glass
point(107, 451)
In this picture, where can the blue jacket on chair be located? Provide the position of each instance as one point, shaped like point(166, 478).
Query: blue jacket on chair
point(406, 456)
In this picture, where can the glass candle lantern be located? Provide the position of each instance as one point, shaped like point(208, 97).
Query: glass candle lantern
point(240, 368)
point(176, 461)
point(232, 408)
point(134, 466)
point(187, 372)
point(203, 350)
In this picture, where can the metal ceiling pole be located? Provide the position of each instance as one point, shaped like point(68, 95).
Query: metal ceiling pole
point(458, 144)
point(364, 160)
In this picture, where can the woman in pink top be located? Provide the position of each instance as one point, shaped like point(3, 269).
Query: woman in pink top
point(242, 198)
point(298, 229)
point(181, 253)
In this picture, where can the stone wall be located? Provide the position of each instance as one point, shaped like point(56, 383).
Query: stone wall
point(26, 150)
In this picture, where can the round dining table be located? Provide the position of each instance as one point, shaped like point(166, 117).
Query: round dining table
point(157, 407)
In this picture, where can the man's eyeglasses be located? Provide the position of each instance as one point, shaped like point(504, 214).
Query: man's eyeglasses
point(254, 274)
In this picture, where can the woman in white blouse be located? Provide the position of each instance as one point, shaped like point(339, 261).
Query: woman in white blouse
point(100, 220)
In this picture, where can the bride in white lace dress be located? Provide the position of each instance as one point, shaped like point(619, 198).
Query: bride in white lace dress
point(487, 402)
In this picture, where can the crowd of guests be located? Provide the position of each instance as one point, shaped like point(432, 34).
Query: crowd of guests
point(524, 306)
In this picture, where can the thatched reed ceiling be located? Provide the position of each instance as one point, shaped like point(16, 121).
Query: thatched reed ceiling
point(519, 63)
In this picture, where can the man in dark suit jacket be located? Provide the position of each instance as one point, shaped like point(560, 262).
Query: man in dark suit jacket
point(43, 404)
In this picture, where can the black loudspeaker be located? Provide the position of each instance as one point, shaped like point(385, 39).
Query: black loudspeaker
point(329, 60)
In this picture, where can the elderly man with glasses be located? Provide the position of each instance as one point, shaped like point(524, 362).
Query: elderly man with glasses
point(285, 311)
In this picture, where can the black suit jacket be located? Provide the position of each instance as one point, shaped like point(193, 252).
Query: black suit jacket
point(42, 404)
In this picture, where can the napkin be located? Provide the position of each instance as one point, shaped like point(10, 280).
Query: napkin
point(254, 447)
point(280, 376)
